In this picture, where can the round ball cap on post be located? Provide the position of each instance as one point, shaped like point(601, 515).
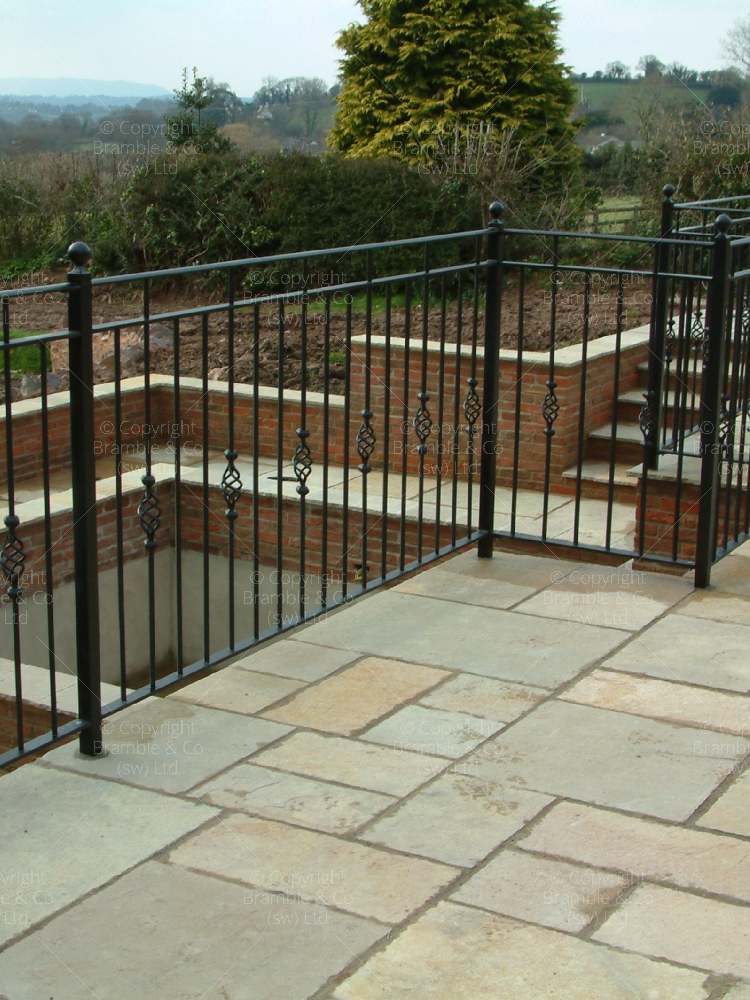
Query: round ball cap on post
point(722, 225)
point(79, 253)
point(497, 209)
point(668, 190)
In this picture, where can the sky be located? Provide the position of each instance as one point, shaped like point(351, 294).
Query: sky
point(241, 42)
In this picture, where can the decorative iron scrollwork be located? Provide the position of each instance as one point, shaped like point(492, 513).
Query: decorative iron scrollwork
point(670, 343)
point(231, 485)
point(12, 557)
point(302, 461)
point(472, 409)
point(149, 512)
point(647, 417)
point(422, 423)
point(725, 433)
point(550, 408)
point(366, 442)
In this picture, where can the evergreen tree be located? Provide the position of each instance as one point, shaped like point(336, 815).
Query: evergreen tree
point(429, 67)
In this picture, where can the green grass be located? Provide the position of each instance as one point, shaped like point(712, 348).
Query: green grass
point(25, 360)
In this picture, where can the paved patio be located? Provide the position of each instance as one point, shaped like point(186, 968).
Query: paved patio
point(520, 778)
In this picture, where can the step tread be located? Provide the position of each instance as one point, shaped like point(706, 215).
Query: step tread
point(626, 431)
point(637, 396)
point(598, 472)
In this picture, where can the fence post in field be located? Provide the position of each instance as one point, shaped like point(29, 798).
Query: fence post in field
point(658, 336)
point(82, 436)
point(488, 467)
point(711, 389)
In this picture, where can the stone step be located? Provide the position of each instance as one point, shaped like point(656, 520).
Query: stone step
point(595, 476)
point(628, 448)
point(631, 403)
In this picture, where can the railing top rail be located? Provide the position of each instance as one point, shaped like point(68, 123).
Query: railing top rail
point(17, 293)
point(610, 237)
point(712, 201)
point(296, 255)
point(11, 345)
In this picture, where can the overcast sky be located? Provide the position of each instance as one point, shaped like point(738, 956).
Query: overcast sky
point(243, 41)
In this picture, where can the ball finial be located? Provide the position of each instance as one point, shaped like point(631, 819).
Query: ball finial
point(79, 253)
point(668, 190)
point(496, 212)
point(723, 224)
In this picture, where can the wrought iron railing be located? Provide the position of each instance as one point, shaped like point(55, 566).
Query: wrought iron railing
point(442, 392)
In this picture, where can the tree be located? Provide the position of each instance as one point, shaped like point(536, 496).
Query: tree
point(422, 67)
point(617, 70)
point(651, 66)
point(188, 131)
point(736, 45)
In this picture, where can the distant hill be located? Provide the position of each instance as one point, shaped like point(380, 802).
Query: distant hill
point(81, 90)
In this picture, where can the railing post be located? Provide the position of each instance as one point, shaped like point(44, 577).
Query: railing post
point(711, 389)
point(81, 372)
point(488, 467)
point(658, 335)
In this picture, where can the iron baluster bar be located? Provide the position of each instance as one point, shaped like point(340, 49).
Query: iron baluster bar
point(206, 498)
point(12, 556)
point(711, 403)
point(347, 438)
point(441, 417)
point(386, 435)
point(550, 405)
point(366, 435)
point(472, 405)
point(657, 339)
point(256, 473)
point(423, 418)
point(231, 484)
point(121, 619)
point(615, 413)
point(455, 437)
point(405, 423)
point(326, 448)
point(177, 438)
point(149, 510)
point(743, 309)
point(48, 594)
point(492, 318)
point(81, 366)
point(732, 379)
point(517, 409)
point(582, 405)
point(280, 467)
point(302, 457)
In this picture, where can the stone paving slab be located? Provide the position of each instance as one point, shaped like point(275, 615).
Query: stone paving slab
point(314, 867)
point(431, 731)
point(731, 812)
point(457, 952)
point(717, 606)
point(452, 586)
point(349, 762)
point(693, 651)
point(693, 930)
point(356, 697)
point(484, 697)
point(296, 659)
point(237, 690)
point(606, 758)
point(484, 641)
point(680, 703)
point(62, 835)
point(533, 572)
point(294, 799)
point(161, 932)
point(169, 745)
point(457, 819)
point(543, 891)
point(686, 858)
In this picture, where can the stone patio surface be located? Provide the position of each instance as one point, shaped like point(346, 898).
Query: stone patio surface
point(520, 778)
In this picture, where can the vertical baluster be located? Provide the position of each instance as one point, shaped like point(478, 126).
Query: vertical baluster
point(582, 404)
point(519, 390)
point(231, 483)
point(386, 435)
point(366, 435)
point(177, 439)
point(12, 555)
point(302, 458)
point(48, 582)
point(550, 405)
point(206, 495)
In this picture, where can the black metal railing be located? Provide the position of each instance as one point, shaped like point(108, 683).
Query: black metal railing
point(320, 424)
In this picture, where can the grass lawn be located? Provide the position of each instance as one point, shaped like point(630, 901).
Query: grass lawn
point(25, 360)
